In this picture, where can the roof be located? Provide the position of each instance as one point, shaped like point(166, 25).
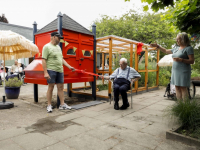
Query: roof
point(68, 23)
point(119, 44)
point(24, 31)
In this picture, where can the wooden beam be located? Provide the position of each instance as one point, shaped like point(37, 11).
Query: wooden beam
point(146, 68)
point(136, 66)
point(157, 74)
point(123, 40)
point(115, 45)
point(101, 46)
point(110, 65)
point(103, 38)
point(103, 65)
point(131, 55)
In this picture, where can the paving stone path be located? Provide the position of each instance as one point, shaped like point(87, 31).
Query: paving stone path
point(100, 127)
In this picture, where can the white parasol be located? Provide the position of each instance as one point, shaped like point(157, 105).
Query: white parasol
point(14, 46)
point(166, 61)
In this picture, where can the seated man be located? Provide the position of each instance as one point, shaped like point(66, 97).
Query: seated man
point(123, 76)
point(16, 69)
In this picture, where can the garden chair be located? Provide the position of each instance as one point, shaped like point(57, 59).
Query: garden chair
point(112, 92)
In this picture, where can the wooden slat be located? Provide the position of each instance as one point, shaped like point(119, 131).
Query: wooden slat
point(157, 74)
point(152, 70)
point(146, 67)
point(148, 70)
point(115, 48)
point(136, 66)
point(152, 87)
point(131, 55)
point(123, 40)
point(81, 87)
point(103, 38)
point(103, 64)
point(122, 45)
point(110, 64)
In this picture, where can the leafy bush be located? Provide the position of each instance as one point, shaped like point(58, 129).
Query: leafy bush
point(188, 114)
point(164, 75)
point(195, 73)
point(13, 82)
point(102, 87)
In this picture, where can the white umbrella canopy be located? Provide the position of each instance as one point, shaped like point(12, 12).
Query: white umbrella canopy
point(166, 61)
point(15, 46)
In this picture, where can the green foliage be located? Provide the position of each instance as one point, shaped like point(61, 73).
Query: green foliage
point(123, 55)
point(140, 27)
point(13, 82)
point(102, 87)
point(195, 73)
point(185, 15)
point(164, 75)
point(141, 82)
point(188, 114)
point(196, 66)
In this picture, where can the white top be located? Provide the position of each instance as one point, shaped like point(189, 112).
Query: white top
point(123, 73)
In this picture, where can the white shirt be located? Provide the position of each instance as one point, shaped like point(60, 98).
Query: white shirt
point(123, 73)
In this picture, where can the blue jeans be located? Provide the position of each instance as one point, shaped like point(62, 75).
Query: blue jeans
point(56, 77)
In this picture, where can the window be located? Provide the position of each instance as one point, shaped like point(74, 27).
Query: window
point(71, 52)
point(87, 53)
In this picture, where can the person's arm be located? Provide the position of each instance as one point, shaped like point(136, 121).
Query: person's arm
point(134, 75)
point(187, 61)
point(113, 75)
point(45, 54)
point(44, 65)
point(68, 66)
point(161, 48)
point(135, 79)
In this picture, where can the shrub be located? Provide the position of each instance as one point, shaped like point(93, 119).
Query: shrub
point(102, 87)
point(188, 114)
point(13, 82)
point(195, 73)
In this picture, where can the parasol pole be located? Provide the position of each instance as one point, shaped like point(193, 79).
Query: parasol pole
point(4, 97)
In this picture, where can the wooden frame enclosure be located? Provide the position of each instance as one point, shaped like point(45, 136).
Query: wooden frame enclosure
point(117, 45)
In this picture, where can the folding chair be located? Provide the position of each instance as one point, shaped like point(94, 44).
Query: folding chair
point(112, 92)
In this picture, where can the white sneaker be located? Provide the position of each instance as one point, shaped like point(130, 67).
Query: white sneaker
point(49, 109)
point(64, 106)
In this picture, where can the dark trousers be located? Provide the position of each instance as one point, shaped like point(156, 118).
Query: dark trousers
point(121, 86)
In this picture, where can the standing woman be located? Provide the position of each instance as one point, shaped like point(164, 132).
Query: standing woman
point(183, 56)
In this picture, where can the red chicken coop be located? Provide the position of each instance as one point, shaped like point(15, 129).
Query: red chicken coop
point(77, 49)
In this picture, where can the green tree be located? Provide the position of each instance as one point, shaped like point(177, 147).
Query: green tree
point(140, 27)
point(3, 19)
point(184, 14)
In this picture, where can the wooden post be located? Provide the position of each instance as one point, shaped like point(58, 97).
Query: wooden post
point(103, 64)
point(157, 73)
point(136, 66)
point(131, 55)
point(146, 68)
point(110, 66)
point(4, 63)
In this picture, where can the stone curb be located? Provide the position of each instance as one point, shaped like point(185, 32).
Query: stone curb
point(172, 135)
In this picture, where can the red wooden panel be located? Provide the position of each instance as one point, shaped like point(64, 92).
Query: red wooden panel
point(40, 41)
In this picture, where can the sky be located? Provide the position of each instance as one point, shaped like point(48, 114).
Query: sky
point(85, 12)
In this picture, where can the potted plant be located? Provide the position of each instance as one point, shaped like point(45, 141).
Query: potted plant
point(12, 88)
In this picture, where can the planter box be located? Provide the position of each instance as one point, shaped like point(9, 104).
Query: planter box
point(173, 135)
